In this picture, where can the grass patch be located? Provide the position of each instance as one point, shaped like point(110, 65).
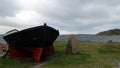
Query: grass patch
point(105, 51)
point(115, 50)
point(62, 60)
point(91, 55)
point(68, 59)
point(14, 63)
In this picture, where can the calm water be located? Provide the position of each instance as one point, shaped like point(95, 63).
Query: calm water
point(84, 37)
point(1, 39)
point(89, 37)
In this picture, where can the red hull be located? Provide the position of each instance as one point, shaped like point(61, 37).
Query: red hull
point(36, 53)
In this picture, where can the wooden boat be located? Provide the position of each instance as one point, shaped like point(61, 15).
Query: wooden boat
point(34, 42)
point(40, 36)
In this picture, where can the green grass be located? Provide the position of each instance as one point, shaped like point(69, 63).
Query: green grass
point(15, 63)
point(90, 55)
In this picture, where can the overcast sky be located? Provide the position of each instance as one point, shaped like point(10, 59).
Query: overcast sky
point(68, 16)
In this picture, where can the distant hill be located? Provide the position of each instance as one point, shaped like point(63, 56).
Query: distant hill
point(109, 32)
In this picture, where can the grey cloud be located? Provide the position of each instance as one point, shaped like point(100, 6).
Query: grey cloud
point(69, 10)
point(9, 23)
point(72, 15)
point(8, 7)
point(108, 2)
point(4, 21)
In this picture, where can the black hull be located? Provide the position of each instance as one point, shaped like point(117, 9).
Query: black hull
point(41, 36)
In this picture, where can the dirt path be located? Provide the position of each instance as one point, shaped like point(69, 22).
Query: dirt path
point(38, 65)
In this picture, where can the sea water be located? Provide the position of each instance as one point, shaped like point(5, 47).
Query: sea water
point(90, 37)
point(83, 37)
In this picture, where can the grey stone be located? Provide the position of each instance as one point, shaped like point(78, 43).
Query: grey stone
point(110, 44)
point(73, 45)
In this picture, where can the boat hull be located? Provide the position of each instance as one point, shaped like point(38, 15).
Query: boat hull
point(40, 36)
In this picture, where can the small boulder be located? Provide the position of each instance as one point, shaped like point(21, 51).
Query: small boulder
point(110, 44)
point(3, 49)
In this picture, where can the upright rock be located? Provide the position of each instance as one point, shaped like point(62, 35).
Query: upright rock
point(73, 45)
point(110, 44)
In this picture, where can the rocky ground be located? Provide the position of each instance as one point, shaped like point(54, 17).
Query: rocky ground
point(3, 49)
